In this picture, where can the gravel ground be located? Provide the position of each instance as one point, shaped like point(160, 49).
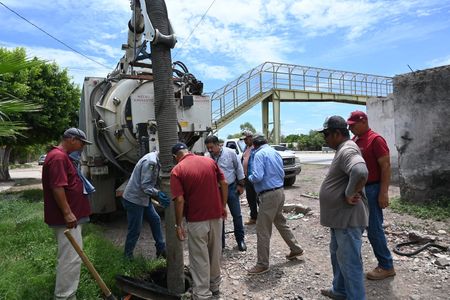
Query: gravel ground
point(418, 277)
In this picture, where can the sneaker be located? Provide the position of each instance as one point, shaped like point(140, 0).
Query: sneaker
point(216, 293)
point(330, 294)
point(256, 270)
point(379, 273)
point(250, 222)
point(294, 254)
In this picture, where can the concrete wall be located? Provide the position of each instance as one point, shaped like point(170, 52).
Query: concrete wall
point(380, 111)
point(422, 133)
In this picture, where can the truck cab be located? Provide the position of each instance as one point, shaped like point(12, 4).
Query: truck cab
point(291, 163)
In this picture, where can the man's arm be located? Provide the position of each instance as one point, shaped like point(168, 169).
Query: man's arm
point(149, 178)
point(179, 207)
point(385, 179)
point(240, 176)
point(224, 194)
point(60, 198)
point(357, 179)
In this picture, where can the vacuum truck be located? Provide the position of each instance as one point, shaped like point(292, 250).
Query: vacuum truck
point(118, 113)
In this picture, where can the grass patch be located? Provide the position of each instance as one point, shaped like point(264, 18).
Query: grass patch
point(28, 253)
point(438, 210)
point(21, 166)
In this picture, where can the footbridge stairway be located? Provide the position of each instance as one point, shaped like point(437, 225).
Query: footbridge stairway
point(279, 82)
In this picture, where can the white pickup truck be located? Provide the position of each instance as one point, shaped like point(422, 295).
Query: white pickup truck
point(291, 163)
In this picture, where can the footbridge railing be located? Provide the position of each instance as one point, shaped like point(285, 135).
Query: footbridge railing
point(250, 88)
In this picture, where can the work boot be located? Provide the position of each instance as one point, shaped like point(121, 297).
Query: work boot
point(256, 270)
point(330, 294)
point(250, 222)
point(242, 246)
point(379, 273)
point(294, 254)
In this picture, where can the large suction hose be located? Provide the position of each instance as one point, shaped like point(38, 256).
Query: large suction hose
point(166, 118)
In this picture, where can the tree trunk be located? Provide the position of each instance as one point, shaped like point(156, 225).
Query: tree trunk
point(166, 118)
point(5, 151)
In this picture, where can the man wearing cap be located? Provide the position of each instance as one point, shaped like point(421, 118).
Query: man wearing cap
point(267, 176)
point(65, 206)
point(199, 190)
point(376, 154)
point(344, 209)
point(232, 168)
point(247, 158)
point(140, 188)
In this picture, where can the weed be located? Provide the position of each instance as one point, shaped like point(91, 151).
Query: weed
point(437, 210)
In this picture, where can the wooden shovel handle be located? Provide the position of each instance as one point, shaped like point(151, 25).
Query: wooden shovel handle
point(89, 265)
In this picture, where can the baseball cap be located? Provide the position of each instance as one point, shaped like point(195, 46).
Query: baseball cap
point(356, 116)
point(246, 133)
point(76, 133)
point(333, 122)
point(177, 147)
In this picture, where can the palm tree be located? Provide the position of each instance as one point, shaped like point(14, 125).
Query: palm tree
point(9, 104)
point(11, 62)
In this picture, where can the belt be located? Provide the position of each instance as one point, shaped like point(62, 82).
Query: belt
point(373, 182)
point(270, 190)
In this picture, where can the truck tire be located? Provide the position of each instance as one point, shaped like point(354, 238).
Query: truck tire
point(289, 181)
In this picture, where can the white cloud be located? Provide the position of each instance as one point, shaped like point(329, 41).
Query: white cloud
point(356, 17)
point(441, 61)
point(102, 48)
point(213, 71)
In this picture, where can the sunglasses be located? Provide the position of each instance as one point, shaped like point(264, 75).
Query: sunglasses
point(326, 133)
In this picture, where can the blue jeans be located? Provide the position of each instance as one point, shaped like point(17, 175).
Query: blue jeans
point(252, 199)
point(345, 251)
point(235, 208)
point(375, 231)
point(135, 215)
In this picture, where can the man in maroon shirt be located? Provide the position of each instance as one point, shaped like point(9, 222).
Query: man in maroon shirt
point(376, 154)
point(65, 206)
point(194, 184)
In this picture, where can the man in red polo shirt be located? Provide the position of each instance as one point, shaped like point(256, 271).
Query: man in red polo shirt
point(376, 154)
point(194, 184)
point(65, 206)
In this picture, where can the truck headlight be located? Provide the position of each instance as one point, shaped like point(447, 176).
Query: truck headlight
point(297, 160)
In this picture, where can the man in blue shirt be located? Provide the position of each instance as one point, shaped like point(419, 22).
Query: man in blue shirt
point(136, 201)
point(267, 175)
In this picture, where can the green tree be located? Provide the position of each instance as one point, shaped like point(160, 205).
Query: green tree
point(45, 85)
point(247, 126)
point(244, 126)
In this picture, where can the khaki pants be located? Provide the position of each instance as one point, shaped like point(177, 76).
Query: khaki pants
point(68, 265)
point(271, 211)
point(204, 242)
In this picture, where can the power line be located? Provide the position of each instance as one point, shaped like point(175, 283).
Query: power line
point(55, 38)
point(189, 36)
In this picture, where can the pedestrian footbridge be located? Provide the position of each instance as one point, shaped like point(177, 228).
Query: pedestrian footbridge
point(278, 82)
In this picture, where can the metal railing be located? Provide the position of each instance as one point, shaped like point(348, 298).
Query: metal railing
point(278, 76)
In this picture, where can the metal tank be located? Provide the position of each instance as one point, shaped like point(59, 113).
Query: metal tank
point(118, 115)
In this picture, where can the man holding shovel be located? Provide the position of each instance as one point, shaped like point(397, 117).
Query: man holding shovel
point(65, 206)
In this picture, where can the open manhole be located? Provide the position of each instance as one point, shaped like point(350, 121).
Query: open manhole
point(151, 285)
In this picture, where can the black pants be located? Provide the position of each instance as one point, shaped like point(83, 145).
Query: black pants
point(252, 199)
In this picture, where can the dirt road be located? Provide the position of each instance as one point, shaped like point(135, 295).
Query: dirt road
point(417, 277)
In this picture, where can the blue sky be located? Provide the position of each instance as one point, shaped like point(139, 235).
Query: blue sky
point(375, 37)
